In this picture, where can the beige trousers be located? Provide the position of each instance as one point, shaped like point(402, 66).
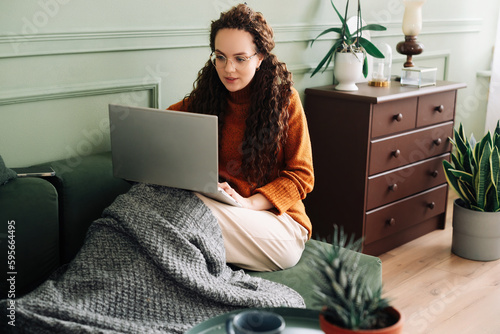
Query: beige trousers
point(258, 240)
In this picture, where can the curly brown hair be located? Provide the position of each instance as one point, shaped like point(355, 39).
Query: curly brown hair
point(267, 125)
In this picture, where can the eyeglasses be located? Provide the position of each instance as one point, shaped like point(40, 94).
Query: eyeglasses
point(239, 62)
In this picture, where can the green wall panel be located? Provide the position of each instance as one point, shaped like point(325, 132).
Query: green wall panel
point(63, 61)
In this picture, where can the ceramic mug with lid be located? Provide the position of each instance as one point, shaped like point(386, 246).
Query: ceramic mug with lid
point(255, 321)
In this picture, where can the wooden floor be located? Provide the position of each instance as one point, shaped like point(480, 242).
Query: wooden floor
point(439, 292)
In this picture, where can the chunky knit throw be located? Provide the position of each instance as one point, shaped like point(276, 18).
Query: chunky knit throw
point(154, 263)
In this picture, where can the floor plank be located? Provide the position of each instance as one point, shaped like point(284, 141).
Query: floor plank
point(439, 292)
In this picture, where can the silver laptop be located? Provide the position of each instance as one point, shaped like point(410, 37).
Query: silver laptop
point(168, 148)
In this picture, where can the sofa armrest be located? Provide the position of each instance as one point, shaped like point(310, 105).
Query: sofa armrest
point(30, 207)
point(86, 186)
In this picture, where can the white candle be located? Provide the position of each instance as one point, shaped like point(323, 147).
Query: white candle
point(379, 74)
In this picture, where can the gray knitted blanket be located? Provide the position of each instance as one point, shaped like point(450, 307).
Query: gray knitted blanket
point(154, 263)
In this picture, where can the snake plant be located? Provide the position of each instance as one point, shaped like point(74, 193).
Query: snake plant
point(341, 285)
point(350, 42)
point(474, 170)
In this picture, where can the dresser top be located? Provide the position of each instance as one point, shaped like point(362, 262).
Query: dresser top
point(395, 91)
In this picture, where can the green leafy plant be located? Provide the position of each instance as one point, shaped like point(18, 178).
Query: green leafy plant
point(474, 170)
point(341, 286)
point(350, 42)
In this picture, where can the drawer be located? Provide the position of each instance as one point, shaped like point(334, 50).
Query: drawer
point(393, 117)
point(394, 218)
point(436, 108)
point(400, 150)
point(402, 182)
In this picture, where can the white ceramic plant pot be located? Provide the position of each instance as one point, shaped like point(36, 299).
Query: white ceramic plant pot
point(476, 235)
point(347, 69)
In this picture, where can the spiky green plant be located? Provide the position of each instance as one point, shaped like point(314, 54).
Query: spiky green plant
point(474, 171)
point(341, 285)
point(350, 42)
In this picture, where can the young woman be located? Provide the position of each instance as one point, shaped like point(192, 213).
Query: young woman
point(265, 160)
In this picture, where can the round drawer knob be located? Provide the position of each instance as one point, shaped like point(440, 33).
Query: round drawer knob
point(431, 205)
point(393, 187)
point(437, 142)
point(391, 222)
point(440, 108)
point(398, 117)
point(435, 173)
point(396, 153)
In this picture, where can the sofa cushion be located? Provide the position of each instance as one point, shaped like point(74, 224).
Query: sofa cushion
point(86, 186)
point(299, 277)
point(29, 216)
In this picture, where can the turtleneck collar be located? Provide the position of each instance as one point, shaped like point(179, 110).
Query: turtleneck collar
point(242, 96)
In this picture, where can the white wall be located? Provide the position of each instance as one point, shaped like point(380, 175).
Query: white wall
point(493, 111)
point(63, 61)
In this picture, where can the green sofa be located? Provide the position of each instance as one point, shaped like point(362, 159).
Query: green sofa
point(51, 216)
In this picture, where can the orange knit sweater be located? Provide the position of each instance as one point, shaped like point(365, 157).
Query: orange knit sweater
point(295, 169)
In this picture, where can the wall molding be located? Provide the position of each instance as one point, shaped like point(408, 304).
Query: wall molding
point(84, 90)
point(431, 55)
point(44, 44)
point(398, 60)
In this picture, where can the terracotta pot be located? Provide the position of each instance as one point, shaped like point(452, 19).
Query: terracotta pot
point(397, 328)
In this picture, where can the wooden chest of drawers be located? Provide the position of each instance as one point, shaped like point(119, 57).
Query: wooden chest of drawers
point(377, 156)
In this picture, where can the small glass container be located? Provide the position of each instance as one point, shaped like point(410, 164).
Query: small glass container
point(381, 73)
point(418, 76)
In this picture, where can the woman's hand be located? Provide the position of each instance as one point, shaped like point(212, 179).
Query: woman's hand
point(255, 202)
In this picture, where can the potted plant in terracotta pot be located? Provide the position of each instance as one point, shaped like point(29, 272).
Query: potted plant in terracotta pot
point(349, 50)
point(474, 173)
point(342, 288)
